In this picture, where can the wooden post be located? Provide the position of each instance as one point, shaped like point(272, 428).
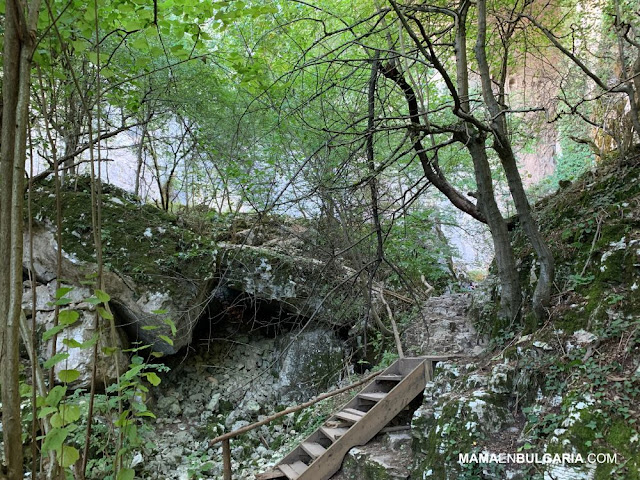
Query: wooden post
point(226, 459)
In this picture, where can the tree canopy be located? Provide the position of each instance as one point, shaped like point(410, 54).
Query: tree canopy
point(379, 122)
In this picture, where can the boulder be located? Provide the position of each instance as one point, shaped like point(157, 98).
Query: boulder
point(309, 363)
point(76, 340)
point(453, 421)
point(387, 457)
point(302, 285)
point(159, 269)
point(144, 310)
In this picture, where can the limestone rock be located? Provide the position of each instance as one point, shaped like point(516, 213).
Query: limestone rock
point(387, 457)
point(311, 362)
point(446, 329)
point(454, 418)
point(81, 331)
point(133, 303)
point(302, 285)
point(81, 359)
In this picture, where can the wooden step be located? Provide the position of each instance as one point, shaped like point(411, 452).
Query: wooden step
point(273, 474)
point(349, 417)
point(313, 449)
point(353, 411)
point(382, 399)
point(373, 396)
point(333, 434)
point(293, 470)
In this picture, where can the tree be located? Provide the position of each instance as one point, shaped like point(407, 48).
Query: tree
point(19, 43)
point(615, 73)
point(473, 129)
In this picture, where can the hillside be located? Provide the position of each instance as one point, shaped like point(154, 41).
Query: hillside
point(570, 385)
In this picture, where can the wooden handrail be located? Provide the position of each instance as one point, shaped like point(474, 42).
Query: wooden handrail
point(226, 447)
point(287, 411)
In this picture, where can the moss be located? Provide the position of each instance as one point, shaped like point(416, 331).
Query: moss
point(225, 407)
point(359, 467)
point(454, 428)
point(530, 323)
point(140, 241)
point(623, 439)
point(572, 321)
point(585, 436)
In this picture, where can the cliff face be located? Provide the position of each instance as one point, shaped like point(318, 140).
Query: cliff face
point(536, 83)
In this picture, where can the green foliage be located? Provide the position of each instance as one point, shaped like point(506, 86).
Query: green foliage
point(414, 246)
point(122, 407)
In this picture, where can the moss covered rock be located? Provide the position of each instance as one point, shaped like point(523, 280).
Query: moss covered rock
point(455, 420)
point(304, 286)
point(162, 271)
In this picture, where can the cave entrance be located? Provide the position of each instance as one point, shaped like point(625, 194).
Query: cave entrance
point(231, 313)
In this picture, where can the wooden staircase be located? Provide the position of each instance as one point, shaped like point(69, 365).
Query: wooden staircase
point(321, 454)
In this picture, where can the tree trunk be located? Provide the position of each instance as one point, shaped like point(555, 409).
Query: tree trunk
point(71, 134)
point(510, 296)
point(19, 42)
point(502, 146)
point(542, 293)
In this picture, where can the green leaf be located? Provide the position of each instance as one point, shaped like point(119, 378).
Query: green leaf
point(150, 327)
point(80, 45)
point(145, 413)
point(71, 343)
point(104, 313)
point(54, 439)
point(140, 42)
point(166, 339)
point(57, 358)
point(137, 360)
point(52, 332)
point(168, 321)
point(102, 296)
point(68, 317)
point(124, 419)
point(66, 415)
point(153, 378)
point(61, 292)
point(107, 73)
point(68, 376)
point(68, 456)
point(44, 411)
point(126, 474)
point(90, 14)
point(62, 301)
point(108, 351)
point(90, 343)
point(70, 413)
point(132, 372)
point(55, 395)
point(93, 300)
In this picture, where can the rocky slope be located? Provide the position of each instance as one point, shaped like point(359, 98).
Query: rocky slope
point(223, 386)
point(569, 386)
